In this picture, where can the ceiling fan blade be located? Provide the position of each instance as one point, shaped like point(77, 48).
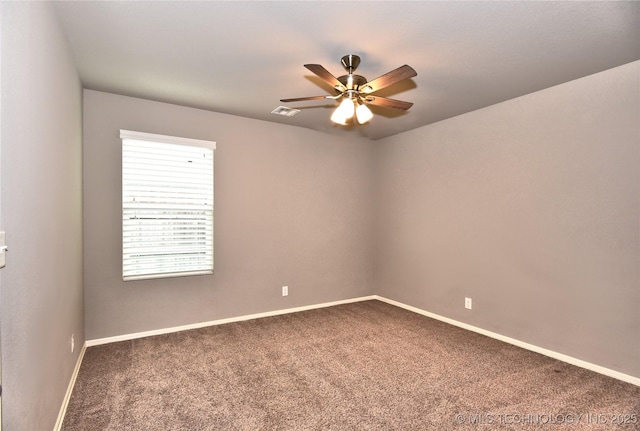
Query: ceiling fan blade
point(323, 73)
point(385, 102)
point(389, 78)
point(300, 99)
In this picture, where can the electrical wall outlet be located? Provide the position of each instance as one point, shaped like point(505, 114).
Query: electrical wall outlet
point(285, 290)
point(467, 303)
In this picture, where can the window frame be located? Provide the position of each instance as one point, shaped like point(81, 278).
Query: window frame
point(172, 140)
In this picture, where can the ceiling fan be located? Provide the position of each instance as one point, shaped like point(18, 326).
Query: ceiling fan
point(356, 91)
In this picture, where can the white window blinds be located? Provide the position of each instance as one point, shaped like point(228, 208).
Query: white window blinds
point(167, 206)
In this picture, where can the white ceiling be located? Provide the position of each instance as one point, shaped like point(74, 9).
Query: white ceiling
point(241, 58)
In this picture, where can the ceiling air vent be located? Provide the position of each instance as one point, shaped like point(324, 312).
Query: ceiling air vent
point(283, 110)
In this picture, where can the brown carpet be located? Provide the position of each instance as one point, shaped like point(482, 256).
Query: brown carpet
point(361, 366)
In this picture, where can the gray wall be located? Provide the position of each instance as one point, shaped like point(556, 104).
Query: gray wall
point(41, 196)
point(531, 208)
point(292, 207)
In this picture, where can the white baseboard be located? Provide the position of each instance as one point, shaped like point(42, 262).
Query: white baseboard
point(133, 336)
point(546, 352)
point(67, 396)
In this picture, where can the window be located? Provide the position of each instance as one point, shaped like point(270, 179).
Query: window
point(167, 206)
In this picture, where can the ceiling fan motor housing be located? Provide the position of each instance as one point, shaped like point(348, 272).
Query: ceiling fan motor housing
point(352, 82)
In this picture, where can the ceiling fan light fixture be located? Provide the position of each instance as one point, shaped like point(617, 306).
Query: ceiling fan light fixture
point(343, 112)
point(363, 113)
